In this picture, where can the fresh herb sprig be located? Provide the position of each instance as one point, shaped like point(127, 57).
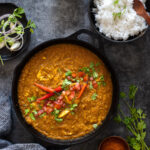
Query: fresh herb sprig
point(135, 122)
point(19, 29)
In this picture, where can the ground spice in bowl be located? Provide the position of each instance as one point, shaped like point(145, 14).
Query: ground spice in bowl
point(114, 143)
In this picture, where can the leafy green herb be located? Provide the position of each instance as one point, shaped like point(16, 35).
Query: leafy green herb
point(32, 116)
point(116, 2)
point(102, 78)
point(134, 122)
point(31, 99)
point(31, 25)
point(99, 83)
point(97, 64)
point(104, 83)
point(122, 95)
point(2, 23)
point(117, 15)
point(1, 60)
point(85, 69)
point(42, 115)
point(95, 74)
point(73, 106)
point(72, 112)
point(18, 12)
point(65, 83)
point(91, 65)
point(91, 86)
point(95, 126)
point(27, 111)
point(94, 96)
point(58, 119)
point(31, 106)
point(52, 98)
point(19, 29)
point(34, 111)
point(132, 91)
point(68, 73)
point(56, 113)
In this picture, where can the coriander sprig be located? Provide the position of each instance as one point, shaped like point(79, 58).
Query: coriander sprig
point(135, 122)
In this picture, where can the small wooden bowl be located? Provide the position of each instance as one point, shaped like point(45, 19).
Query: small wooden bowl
point(115, 137)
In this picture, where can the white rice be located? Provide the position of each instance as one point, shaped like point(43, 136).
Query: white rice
point(119, 28)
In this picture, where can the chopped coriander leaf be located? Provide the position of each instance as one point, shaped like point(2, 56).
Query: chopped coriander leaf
point(78, 81)
point(99, 84)
point(32, 116)
point(122, 95)
point(104, 83)
point(81, 79)
point(18, 12)
point(65, 83)
point(91, 65)
point(68, 73)
point(56, 112)
point(27, 111)
point(72, 112)
point(31, 105)
point(116, 2)
point(91, 86)
point(95, 126)
point(85, 69)
point(1, 60)
point(102, 78)
point(42, 115)
point(97, 64)
point(52, 98)
point(31, 99)
point(132, 91)
point(58, 119)
point(117, 14)
point(1, 38)
point(40, 107)
point(95, 74)
point(34, 111)
point(94, 96)
point(73, 106)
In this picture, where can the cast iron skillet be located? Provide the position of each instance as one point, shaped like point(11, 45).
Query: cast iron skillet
point(73, 39)
point(130, 39)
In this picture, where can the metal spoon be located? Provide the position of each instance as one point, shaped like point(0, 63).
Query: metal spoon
point(140, 10)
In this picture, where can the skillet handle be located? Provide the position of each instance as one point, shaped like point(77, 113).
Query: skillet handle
point(96, 39)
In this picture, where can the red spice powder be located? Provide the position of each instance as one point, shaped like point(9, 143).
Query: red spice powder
point(113, 144)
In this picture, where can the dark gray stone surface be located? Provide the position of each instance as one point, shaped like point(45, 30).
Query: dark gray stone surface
point(59, 18)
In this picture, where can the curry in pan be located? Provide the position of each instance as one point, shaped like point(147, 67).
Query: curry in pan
point(65, 91)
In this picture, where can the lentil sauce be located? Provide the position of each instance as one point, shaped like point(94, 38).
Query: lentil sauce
point(48, 67)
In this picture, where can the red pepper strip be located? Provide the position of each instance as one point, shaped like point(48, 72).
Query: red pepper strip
point(48, 89)
point(45, 96)
point(58, 89)
point(82, 90)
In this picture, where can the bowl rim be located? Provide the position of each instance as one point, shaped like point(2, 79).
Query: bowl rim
point(91, 15)
point(115, 137)
point(27, 34)
point(115, 98)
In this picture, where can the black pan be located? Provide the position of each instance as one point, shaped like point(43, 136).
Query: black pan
point(73, 39)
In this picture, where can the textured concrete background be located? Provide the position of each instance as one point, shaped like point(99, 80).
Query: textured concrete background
point(59, 18)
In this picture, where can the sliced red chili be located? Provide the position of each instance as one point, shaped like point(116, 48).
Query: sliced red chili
point(81, 74)
point(86, 77)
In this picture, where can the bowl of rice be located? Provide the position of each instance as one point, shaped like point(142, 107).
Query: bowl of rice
point(116, 20)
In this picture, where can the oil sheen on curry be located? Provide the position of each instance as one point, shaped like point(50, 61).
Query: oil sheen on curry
point(65, 91)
